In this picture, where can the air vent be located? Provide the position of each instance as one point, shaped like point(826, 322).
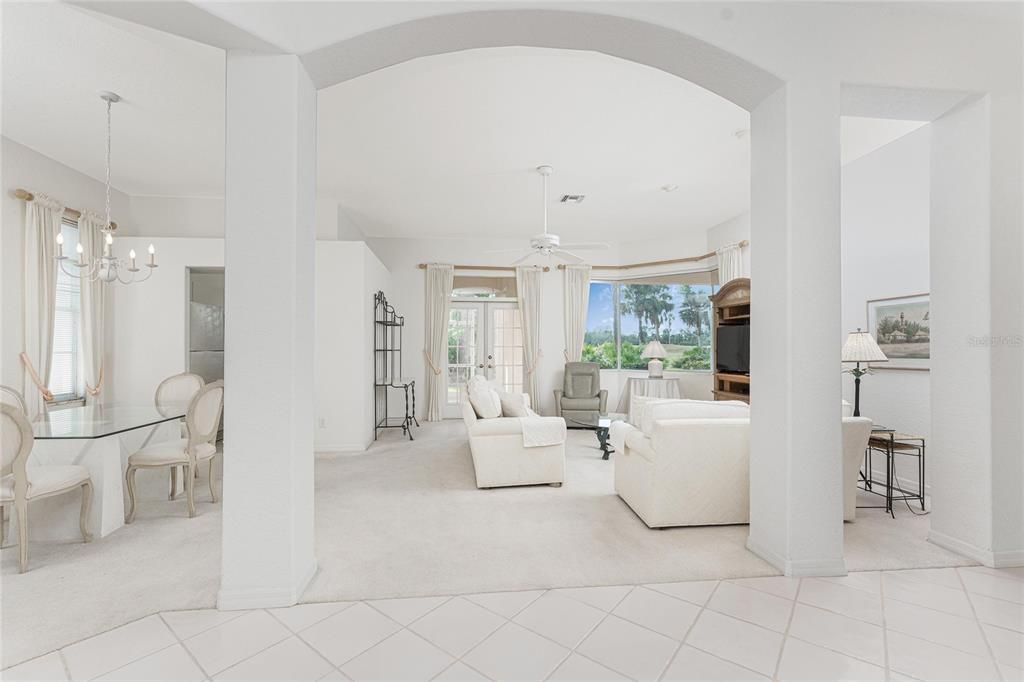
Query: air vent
point(573, 198)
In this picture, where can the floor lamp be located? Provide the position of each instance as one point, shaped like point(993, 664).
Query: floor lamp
point(860, 347)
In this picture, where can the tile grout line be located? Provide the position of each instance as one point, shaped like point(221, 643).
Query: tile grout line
point(253, 655)
point(181, 642)
point(682, 642)
point(607, 614)
point(296, 636)
point(64, 664)
point(885, 627)
point(785, 634)
point(984, 635)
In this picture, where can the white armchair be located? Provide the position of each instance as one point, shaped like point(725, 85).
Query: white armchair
point(499, 458)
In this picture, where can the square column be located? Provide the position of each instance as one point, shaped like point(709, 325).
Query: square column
point(976, 453)
point(796, 518)
point(269, 256)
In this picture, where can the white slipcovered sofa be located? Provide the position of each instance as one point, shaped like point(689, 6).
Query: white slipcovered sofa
point(499, 457)
point(687, 462)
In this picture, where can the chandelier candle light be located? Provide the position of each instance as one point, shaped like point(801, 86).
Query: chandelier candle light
point(106, 268)
point(860, 347)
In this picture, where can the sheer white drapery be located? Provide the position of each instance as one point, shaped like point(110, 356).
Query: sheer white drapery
point(440, 279)
point(93, 297)
point(528, 285)
point(730, 263)
point(43, 217)
point(576, 296)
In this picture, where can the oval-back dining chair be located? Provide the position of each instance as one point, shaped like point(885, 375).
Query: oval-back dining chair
point(20, 484)
point(12, 396)
point(202, 421)
point(170, 393)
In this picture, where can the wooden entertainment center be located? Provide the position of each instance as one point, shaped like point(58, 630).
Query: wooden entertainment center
point(731, 307)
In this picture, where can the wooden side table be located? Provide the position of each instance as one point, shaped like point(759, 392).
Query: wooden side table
point(891, 443)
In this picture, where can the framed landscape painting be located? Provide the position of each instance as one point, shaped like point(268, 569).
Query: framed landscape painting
point(902, 328)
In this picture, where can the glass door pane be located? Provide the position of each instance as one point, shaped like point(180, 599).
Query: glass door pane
point(505, 346)
point(463, 348)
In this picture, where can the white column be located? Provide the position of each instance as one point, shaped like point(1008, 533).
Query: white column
point(270, 169)
point(976, 453)
point(796, 520)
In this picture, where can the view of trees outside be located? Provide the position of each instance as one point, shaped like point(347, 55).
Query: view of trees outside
point(677, 315)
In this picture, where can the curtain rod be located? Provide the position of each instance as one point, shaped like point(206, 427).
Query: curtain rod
point(653, 263)
point(25, 195)
point(423, 266)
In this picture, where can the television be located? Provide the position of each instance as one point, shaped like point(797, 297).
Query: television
point(732, 348)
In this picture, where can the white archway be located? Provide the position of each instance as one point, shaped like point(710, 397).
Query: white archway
point(796, 515)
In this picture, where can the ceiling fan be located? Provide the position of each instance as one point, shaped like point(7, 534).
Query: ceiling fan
point(548, 244)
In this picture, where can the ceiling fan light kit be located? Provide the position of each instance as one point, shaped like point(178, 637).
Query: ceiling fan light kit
point(547, 244)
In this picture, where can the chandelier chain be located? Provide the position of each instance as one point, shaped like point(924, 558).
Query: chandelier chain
point(106, 226)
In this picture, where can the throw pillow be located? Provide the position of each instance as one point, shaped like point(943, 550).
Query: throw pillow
point(483, 398)
point(513, 405)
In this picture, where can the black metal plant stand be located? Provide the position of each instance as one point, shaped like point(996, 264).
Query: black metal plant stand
point(387, 370)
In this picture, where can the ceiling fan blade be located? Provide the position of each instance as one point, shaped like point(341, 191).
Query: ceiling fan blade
point(523, 259)
point(566, 256)
point(588, 246)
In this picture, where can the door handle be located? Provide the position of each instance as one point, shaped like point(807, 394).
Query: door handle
point(490, 357)
point(490, 366)
point(480, 366)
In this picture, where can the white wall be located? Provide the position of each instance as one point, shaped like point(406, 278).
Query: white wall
point(26, 169)
point(149, 320)
point(344, 344)
point(175, 217)
point(885, 234)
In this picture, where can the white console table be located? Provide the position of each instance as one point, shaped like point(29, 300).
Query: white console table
point(664, 387)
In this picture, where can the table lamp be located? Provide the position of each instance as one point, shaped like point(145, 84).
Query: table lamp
point(655, 351)
point(860, 347)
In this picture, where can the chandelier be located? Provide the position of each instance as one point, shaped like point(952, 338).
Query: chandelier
point(108, 267)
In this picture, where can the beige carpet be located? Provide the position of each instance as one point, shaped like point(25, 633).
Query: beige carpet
point(405, 519)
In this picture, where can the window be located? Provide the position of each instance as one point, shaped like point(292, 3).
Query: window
point(65, 363)
point(623, 317)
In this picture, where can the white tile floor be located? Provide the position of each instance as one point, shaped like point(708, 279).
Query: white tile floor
point(942, 624)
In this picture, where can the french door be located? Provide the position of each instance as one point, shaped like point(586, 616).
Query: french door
point(483, 338)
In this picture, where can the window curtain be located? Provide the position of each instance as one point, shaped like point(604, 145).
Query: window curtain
point(730, 263)
point(576, 296)
point(42, 225)
point(91, 237)
point(528, 285)
point(440, 279)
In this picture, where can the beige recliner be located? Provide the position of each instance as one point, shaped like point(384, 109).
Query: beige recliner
point(581, 397)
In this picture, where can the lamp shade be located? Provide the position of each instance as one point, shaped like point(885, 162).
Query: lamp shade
point(654, 349)
point(861, 347)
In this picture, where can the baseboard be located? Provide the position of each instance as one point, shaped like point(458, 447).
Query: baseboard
point(908, 484)
point(342, 448)
point(1003, 559)
point(265, 597)
point(799, 568)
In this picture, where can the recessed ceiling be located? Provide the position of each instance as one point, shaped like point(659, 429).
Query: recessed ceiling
point(446, 146)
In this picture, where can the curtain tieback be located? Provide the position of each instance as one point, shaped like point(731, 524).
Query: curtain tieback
point(99, 385)
point(35, 376)
point(430, 362)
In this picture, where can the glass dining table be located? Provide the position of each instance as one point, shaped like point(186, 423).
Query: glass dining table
point(100, 438)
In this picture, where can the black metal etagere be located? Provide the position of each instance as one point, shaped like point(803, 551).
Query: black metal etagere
point(387, 370)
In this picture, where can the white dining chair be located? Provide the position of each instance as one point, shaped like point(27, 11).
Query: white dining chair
point(171, 392)
point(202, 420)
point(22, 484)
point(12, 396)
